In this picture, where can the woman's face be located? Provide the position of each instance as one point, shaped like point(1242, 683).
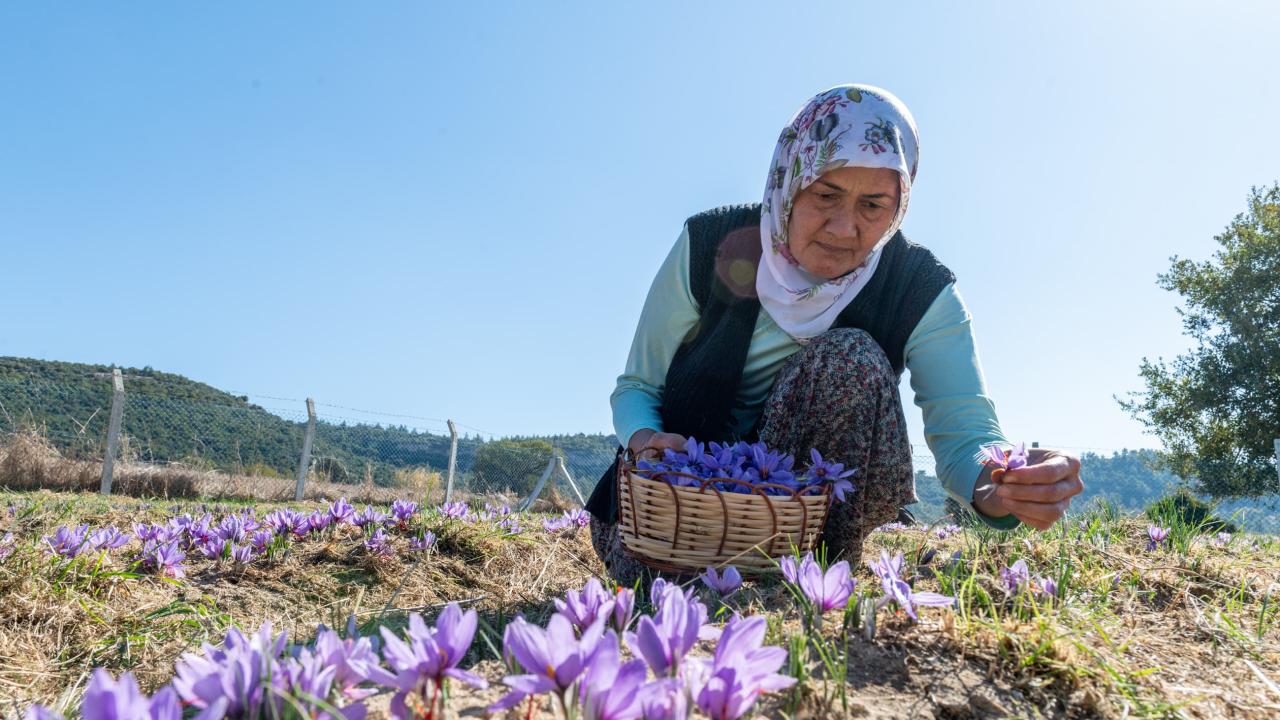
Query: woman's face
point(838, 219)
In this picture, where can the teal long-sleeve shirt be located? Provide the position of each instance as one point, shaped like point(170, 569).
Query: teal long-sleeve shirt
point(946, 377)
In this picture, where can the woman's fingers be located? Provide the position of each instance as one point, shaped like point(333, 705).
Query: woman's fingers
point(1052, 469)
point(1051, 493)
point(1038, 515)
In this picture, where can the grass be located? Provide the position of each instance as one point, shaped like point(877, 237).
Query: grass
point(1187, 630)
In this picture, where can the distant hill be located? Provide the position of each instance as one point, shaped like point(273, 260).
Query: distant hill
point(169, 417)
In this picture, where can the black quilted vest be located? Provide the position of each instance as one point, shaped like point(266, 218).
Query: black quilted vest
point(724, 251)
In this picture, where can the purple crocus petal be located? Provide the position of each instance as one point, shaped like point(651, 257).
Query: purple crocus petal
point(624, 601)
point(790, 570)
point(650, 645)
point(165, 705)
point(931, 599)
point(108, 699)
point(836, 586)
point(839, 488)
point(664, 700)
point(40, 712)
point(714, 699)
point(528, 645)
point(469, 678)
point(740, 636)
point(996, 455)
point(454, 632)
point(522, 686)
point(1018, 458)
point(725, 584)
point(811, 580)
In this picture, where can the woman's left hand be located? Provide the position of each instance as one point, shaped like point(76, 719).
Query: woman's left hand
point(1040, 493)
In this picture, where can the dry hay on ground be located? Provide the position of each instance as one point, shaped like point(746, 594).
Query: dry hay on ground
point(1163, 645)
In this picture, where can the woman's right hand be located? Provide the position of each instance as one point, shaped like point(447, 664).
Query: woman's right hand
point(651, 438)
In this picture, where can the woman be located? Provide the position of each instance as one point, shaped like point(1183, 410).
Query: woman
point(791, 322)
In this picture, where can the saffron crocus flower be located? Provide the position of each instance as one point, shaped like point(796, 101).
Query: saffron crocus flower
point(946, 531)
point(770, 467)
point(108, 538)
point(790, 569)
point(109, 699)
point(726, 584)
point(7, 545)
point(826, 591)
point(304, 682)
point(831, 473)
point(261, 540)
point(165, 558)
point(282, 521)
point(429, 657)
point(1015, 576)
point(368, 516)
point(510, 524)
point(402, 510)
point(897, 591)
point(1155, 536)
point(353, 659)
point(1046, 587)
point(1222, 539)
point(666, 699)
point(341, 511)
point(740, 671)
point(68, 541)
point(241, 554)
point(611, 689)
point(456, 510)
point(552, 658)
point(228, 680)
point(1003, 460)
point(319, 520)
point(423, 542)
point(233, 528)
point(664, 639)
point(583, 607)
point(624, 601)
point(379, 544)
point(888, 566)
point(578, 517)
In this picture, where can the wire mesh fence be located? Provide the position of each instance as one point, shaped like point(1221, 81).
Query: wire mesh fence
point(189, 438)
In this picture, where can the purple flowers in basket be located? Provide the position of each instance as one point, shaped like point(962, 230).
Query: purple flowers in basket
point(746, 468)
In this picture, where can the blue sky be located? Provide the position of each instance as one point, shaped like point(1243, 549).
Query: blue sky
point(457, 211)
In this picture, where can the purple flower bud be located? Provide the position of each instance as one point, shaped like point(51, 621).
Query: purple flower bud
point(583, 608)
point(424, 542)
point(1015, 576)
point(726, 584)
point(456, 510)
point(1156, 536)
point(340, 511)
point(379, 544)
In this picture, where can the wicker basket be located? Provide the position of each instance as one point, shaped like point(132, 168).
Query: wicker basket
point(684, 529)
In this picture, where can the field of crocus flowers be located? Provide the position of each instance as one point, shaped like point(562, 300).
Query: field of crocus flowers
point(121, 608)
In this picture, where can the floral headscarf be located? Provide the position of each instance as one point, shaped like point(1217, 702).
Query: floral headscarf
point(846, 126)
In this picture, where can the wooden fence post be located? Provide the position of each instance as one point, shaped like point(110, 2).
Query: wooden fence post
point(564, 473)
point(453, 460)
point(113, 430)
point(1278, 456)
point(542, 481)
point(304, 463)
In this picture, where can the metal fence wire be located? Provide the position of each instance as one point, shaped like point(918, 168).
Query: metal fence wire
point(164, 424)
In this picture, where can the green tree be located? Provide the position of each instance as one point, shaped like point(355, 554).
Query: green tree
point(509, 465)
point(1216, 409)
